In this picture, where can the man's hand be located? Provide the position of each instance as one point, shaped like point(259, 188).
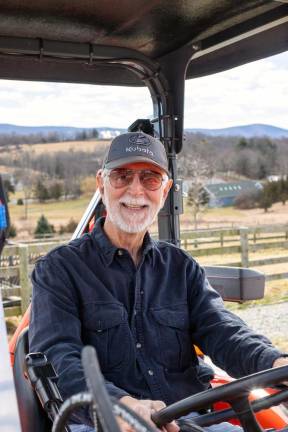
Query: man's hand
point(281, 361)
point(145, 408)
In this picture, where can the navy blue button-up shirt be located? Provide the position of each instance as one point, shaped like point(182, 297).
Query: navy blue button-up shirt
point(143, 321)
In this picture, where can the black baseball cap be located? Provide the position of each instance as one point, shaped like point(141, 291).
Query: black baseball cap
point(135, 147)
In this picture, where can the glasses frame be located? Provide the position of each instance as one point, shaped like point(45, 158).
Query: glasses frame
point(107, 173)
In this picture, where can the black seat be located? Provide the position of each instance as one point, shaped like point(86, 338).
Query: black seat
point(32, 416)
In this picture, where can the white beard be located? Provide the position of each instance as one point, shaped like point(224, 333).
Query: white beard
point(130, 221)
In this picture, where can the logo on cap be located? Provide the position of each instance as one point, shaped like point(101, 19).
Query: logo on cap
point(139, 139)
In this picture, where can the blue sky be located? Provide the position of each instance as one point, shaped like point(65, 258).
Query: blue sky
point(253, 93)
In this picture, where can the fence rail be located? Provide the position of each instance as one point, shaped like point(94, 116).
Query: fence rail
point(17, 261)
point(244, 241)
point(16, 264)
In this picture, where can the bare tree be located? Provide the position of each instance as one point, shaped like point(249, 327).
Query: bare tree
point(198, 197)
point(26, 176)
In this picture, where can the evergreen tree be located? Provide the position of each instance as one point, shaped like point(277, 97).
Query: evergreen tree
point(41, 192)
point(9, 187)
point(266, 198)
point(56, 190)
point(242, 144)
point(43, 227)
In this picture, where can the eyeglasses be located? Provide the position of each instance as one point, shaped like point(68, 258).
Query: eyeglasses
point(122, 177)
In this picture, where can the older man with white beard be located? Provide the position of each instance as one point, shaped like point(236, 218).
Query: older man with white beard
point(141, 303)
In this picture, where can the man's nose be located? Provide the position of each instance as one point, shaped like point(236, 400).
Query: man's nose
point(136, 186)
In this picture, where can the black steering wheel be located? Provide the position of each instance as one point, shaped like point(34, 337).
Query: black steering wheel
point(236, 394)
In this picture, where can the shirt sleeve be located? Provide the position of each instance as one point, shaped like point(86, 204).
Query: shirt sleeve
point(222, 335)
point(55, 328)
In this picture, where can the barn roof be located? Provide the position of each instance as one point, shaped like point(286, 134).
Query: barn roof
point(230, 190)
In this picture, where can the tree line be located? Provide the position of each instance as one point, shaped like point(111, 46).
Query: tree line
point(52, 176)
point(55, 175)
point(253, 158)
point(271, 193)
point(8, 139)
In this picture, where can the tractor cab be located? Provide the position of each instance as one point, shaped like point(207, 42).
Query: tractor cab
point(159, 45)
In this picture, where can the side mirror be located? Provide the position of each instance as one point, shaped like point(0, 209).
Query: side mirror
point(236, 284)
point(4, 215)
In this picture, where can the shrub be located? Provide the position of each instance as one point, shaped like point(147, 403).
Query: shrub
point(69, 228)
point(20, 201)
point(40, 191)
point(247, 200)
point(62, 230)
point(43, 227)
point(56, 190)
point(12, 232)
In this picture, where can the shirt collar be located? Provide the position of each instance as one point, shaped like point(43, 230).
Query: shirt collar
point(107, 248)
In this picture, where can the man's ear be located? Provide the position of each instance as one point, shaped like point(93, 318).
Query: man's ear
point(167, 189)
point(99, 182)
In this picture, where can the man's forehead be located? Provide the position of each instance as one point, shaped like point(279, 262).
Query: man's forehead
point(143, 166)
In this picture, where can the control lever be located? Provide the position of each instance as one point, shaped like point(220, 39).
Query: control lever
point(43, 377)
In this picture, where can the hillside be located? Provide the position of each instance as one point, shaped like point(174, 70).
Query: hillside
point(63, 132)
point(246, 131)
point(69, 132)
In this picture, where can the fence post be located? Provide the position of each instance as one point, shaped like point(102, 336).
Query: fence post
point(221, 239)
point(24, 277)
point(244, 246)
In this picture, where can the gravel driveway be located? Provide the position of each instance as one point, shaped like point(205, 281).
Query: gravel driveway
point(270, 320)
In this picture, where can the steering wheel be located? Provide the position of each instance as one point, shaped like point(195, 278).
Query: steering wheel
point(236, 394)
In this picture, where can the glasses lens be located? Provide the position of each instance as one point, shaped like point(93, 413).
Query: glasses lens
point(120, 178)
point(151, 180)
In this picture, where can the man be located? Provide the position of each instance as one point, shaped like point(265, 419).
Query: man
point(141, 303)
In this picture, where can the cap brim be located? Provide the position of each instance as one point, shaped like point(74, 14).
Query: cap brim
point(127, 160)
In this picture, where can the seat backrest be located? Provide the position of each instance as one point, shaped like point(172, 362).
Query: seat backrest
point(32, 416)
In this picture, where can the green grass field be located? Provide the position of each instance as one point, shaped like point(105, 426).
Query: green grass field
point(58, 213)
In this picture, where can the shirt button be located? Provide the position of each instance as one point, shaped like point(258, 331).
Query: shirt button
point(138, 345)
point(150, 372)
point(120, 252)
point(142, 292)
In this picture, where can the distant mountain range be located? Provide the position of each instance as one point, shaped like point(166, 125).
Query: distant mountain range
point(66, 132)
point(247, 131)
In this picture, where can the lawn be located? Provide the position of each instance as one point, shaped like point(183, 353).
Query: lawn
point(65, 146)
point(58, 213)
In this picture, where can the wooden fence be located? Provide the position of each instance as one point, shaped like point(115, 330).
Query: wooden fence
point(242, 241)
point(17, 261)
point(16, 265)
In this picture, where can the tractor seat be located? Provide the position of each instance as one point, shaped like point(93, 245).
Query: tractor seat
point(32, 416)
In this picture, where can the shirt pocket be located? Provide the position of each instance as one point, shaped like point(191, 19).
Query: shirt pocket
point(173, 338)
point(105, 326)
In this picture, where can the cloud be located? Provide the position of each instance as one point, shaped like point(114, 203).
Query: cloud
point(253, 93)
point(34, 103)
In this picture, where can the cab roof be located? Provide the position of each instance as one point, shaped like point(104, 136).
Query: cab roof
point(67, 40)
